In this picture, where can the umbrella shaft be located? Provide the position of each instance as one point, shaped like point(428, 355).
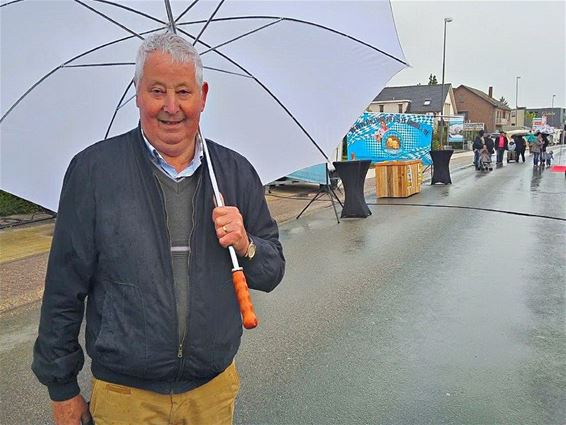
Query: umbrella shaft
point(219, 200)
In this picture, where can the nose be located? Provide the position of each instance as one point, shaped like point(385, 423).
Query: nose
point(171, 105)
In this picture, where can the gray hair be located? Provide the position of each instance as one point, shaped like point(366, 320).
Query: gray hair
point(180, 50)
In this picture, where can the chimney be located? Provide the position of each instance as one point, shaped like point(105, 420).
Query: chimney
point(490, 91)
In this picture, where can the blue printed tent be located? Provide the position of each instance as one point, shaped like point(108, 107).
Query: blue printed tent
point(391, 137)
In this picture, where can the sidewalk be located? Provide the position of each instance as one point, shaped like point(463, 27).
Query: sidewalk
point(24, 251)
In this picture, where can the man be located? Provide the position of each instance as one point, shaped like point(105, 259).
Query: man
point(477, 146)
point(521, 146)
point(500, 147)
point(138, 236)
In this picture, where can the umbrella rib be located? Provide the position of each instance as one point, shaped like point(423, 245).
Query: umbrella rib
point(228, 72)
point(266, 89)
point(129, 9)
point(186, 10)
point(87, 65)
point(65, 65)
point(127, 101)
point(118, 107)
point(11, 2)
point(208, 21)
point(170, 16)
point(301, 21)
point(29, 91)
point(109, 19)
point(242, 36)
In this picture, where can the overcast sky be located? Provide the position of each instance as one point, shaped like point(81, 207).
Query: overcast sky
point(488, 43)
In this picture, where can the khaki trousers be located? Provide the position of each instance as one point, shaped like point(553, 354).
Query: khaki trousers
point(209, 404)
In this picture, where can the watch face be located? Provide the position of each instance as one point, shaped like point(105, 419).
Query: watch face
point(251, 251)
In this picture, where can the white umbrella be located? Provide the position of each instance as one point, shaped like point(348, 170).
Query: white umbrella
point(287, 79)
point(518, 132)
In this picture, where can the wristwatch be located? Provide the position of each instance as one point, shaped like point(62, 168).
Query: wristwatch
point(251, 250)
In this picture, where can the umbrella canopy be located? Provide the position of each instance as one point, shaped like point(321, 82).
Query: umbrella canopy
point(287, 79)
point(518, 132)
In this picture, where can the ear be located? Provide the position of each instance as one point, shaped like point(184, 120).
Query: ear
point(203, 94)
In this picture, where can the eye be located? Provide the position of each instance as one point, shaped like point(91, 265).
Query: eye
point(157, 91)
point(183, 92)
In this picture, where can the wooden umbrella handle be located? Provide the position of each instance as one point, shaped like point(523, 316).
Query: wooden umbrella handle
point(244, 300)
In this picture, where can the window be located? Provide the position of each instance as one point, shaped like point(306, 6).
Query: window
point(426, 102)
point(400, 108)
point(380, 108)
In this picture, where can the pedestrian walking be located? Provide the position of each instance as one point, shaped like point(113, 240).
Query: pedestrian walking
point(501, 146)
point(479, 143)
point(545, 143)
point(549, 156)
point(520, 147)
point(536, 148)
point(490, 144)
point(139, 238)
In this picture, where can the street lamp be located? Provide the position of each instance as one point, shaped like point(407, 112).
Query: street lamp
point(517, 92)
point(446, 20)
point(552, 107)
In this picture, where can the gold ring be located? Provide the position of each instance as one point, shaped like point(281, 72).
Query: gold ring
point(225, 229)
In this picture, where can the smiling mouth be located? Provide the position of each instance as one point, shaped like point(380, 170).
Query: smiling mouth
point(171, 122)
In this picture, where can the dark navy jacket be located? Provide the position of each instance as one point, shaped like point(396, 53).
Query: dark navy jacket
point(111, 247)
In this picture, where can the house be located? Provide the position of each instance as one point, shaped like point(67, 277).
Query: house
point(420, 99)
point(477, 106)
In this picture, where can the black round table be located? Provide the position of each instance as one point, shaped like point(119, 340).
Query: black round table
point(440, 166)
point(353, 175)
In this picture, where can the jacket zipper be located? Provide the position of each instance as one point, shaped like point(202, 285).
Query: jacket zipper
point(180, 347)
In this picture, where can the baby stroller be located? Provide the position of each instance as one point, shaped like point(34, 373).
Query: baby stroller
point(512, 154)
point(485, 160)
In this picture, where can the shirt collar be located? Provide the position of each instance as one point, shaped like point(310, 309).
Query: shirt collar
point(168, 169)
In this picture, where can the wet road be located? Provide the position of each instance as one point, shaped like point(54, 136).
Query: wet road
point(417, 314)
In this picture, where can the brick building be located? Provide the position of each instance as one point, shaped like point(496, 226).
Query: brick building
point(477, 106)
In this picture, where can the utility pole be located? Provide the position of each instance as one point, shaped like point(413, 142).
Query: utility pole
point(442, 97)
point(517, 92)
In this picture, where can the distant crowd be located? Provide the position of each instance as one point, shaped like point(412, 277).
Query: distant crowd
point(485, 146)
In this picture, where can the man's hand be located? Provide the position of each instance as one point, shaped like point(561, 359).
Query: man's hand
point(230, 229)
point(71, 412)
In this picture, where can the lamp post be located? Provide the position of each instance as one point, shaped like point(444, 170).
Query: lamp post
point(517, 92)
point(552, 107)
point(446, 20)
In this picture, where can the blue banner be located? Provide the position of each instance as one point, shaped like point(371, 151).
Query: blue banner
point(455, 128)
point(391, 137)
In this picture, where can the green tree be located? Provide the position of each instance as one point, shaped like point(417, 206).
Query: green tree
point(432, 80)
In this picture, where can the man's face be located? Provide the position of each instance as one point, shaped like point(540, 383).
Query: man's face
point(170, 103)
